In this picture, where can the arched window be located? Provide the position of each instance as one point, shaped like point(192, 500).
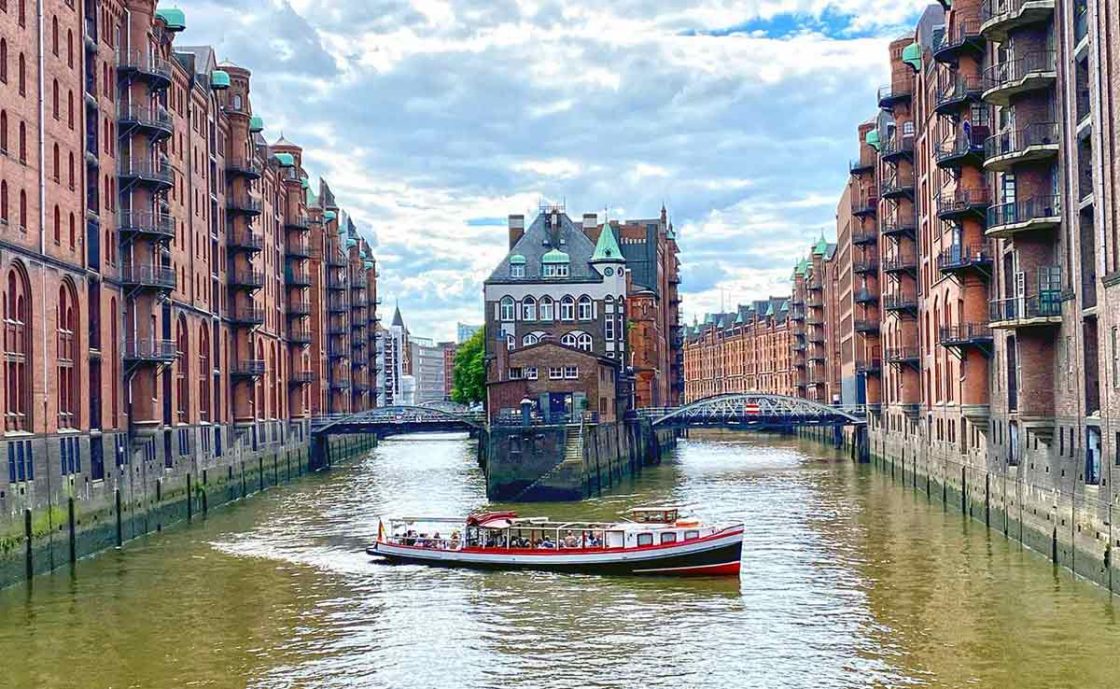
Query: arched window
point(608, 303)
point(22, 75)
point(569, 340)
point(54, 35)
point(567, 308)
point(546, 309)
point(529, 309)
point(22, 16)
point(57, 225)
point(511, 342)
point(584, 342)
point(67, 356)
point(4, 60)
point(115, 363)
point(585, 308)
point(17, 351)
point(23, 142)
point(204, 368)
point(529, 339)
point(22, 210)
point(3, 131)
point(182, 371)
point(4, 202)
point(73, 232)
point(71, 170)
point(70, 48)
point(56, 159)
point(506, 310)
point(259, 396)
point(70, 108)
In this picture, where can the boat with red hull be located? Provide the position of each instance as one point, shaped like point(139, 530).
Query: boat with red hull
point(655, 541)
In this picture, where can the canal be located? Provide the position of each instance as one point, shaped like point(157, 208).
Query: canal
point(848, 581)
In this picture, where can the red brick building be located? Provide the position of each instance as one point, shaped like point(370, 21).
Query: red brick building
point(562, 382)
point(177, 255)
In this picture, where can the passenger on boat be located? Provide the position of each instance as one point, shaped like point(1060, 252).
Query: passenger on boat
point(454, 540)
point(570, 540)
point(594, 542)
point(547, 544)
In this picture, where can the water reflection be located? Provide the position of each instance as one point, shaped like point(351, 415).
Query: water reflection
point(848, 581)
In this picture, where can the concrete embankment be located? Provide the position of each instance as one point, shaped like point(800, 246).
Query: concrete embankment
point(48, 526)
point(567, 462)
point(1064, 520)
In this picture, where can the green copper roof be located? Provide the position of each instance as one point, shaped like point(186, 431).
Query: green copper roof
point(517, 260)
point(555, 256)
point(256, 124)
point(173, 17)
point(739, 319)
point(368, 265)
point(707, 319)
point(671, 234)
point(872, 139)
point(312, 199)
point(912, 55)
point(351, 243)
point(799, 269)
point(785, 305)
point(770, 311)
point(821, 247)
point(286, 159)
point(329, 216)
point(219, 79)
point(607, 247)
point(721, 324)
point(305, 184)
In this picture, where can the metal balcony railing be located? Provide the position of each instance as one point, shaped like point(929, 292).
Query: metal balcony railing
point(155, 119)
point(248, 315)
point(147, 171)
point(965, 334)
point(146, 275)
point(250, 279)
point(296, 278)
point(903, 355)
point(899, 262)
point(298, 221)
point(243, 203)
point(963, 35)
point(1045, 305)
point(248, 241)
point(958, 257)
point(159, 225)
point(900, 302)
point(1017, 71)
point(966, 146)
point(150, 350)
point(155, 69)
point(962, 202)
point(1040, 138)
point(249, 368)
point(1025, 212)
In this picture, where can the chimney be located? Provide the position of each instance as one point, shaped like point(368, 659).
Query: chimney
point(516, 229)
point(590, 222)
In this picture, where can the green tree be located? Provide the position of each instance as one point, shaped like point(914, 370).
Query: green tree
point(469, 385)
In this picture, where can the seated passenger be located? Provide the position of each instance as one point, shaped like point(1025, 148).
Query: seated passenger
point(547, 544)
point(570, 540)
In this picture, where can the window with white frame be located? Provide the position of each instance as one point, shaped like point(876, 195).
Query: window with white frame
point(608, 329)
point(506, 310)
point(546, 309)
point(555, 373)
point(511, 342)
point(529, 309)
point(584, 342)
point(608, 304)
point(515, 374)
point(530, 339)
point(567, 309)
point(585, 309)
point(531, 373)
point(569, 340)
point(571, 372)
point(556, 270)
point(517, 271)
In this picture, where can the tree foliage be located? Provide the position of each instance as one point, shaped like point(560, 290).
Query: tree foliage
point(469, 385)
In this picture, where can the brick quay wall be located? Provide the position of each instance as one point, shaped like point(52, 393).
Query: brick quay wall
point(45, 526)
point(1062, 519)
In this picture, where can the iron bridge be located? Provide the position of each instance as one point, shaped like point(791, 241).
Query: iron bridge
point(755, 411)
point(400, 420)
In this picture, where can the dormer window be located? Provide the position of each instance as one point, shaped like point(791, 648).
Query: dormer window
point(556, 270)
point(554, 264)
point(517, 266)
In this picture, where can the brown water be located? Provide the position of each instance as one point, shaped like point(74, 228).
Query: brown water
point(848, 581)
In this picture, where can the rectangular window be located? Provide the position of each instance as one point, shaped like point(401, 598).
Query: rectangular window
point(609, 329)
point(669, 537)
point(571, 372)
point(515, 374)
point(531, 373)
point(555, 373)
point(517, 271)
point(689, 535)
point(645, 539)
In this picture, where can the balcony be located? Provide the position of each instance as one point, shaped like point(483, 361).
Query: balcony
point(296, 278)
point(337, 306)
point(869, 367)
point(358, 344)
point(336, 352)
point(816, 337)
point(818, 378)
point(336, 330)
point(155, 176)
point(244, 204)
point(299, 336)
point(1032, 143)
point(336, 281)
point(1033, 72)
point(1042, 308)
point(899, 225)
point(904, 356)
point(999, 17)
point(963, 37)
point(155, 122)
point(249, 368)
point(957, 94)
point(337, 260)
point(251, 316)
point(797, 313)
point(340, 385)
point(967, 336)
point(893, 94)
point(245, 279)
point(146, 351)
point(250, 242)
point(862, 237)
point(865, 207)
point(301, 377)
point(865, 296)
point(1026, 215)
point(963, 204)
point(297, 222)
point(799, 346)
point(298, 250)
point(965, 149)
point(896, 185)
point(867, 325)
point(900, 262)
point(243, 168)
point(900, 303)
point(815, 302)
point(865, 266)
point(860, 167)
point(156, 226)
point(959, 260)
point(139, 64)
point(897, 147)
point(146, 276)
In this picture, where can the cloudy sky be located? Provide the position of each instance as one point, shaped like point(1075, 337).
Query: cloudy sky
point(435, 119)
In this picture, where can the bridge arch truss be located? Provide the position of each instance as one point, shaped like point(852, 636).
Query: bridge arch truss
point(756, 410)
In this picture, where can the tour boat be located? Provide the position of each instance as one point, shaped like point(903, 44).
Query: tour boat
point(652, 541)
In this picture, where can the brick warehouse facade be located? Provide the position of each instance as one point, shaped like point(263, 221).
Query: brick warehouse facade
point(981, 220)
point(198, 301)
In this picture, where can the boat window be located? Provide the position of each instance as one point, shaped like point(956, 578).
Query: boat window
point(645, 539)
point(669, 537)
point(689, 535)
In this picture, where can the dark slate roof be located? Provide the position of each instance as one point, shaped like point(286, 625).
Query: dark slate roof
point(397, 320)
point(641, 257)
point(536, 242)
